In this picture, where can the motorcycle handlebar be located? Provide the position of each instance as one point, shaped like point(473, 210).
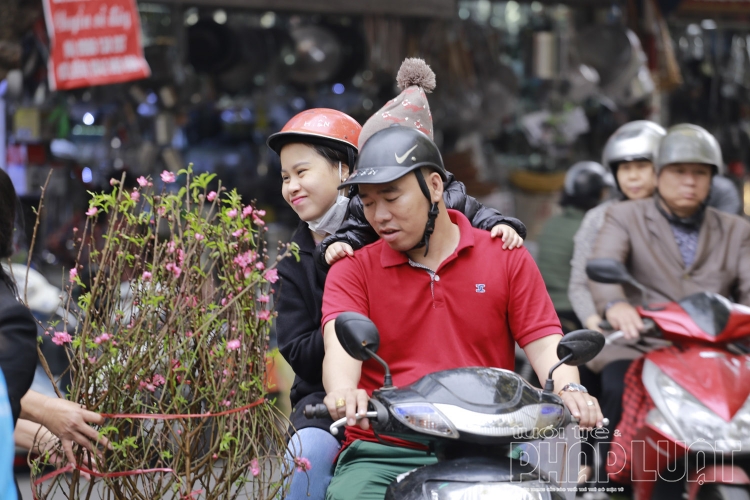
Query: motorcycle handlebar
point(568, 419)
point(315, 411)
point(321, 411)
point(648, 325)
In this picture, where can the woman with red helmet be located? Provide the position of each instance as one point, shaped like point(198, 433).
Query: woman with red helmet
point(317, 149)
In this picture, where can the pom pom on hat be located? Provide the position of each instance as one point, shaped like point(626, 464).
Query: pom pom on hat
point(415, 71)
point(410, 108)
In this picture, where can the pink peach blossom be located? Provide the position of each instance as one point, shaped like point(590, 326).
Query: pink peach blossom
point(302, 464)
point(73, 274)
point(263, 299)
point(254, 467)
point(135, 196)
point(248, 210)
point(233, 345)
point(211, 196)
point(232, 213)
point(199, 237)
point(146, 276)
point(264, 315)
point(142, 181)
point(92, 211)
point(61, 338)
point(168, 177)
point(272, 275)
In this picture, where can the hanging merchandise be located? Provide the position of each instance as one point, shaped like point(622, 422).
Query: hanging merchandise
point(616, 54)
point(94, 42)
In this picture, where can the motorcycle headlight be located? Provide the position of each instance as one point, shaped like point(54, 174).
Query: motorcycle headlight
point(434, 490)
point(698, 426)
point(424, 417)
point(530, 418)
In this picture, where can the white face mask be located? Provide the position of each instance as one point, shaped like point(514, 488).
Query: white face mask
point(332, 219)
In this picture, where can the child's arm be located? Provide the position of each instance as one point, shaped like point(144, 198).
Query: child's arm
point(354, 231)
point(480, 216)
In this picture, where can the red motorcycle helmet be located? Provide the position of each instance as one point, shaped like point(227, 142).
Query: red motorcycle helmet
point(320, 126)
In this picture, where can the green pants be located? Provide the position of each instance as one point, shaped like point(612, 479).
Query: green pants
point(364, 470)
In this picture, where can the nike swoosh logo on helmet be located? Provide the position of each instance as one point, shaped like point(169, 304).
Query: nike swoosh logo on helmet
point(400, 159)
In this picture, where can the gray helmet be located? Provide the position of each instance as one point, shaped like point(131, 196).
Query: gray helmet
point(688, 143)
point(634, 141)
point(724, 196)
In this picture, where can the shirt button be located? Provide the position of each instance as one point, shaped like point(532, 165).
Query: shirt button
point(437, 278)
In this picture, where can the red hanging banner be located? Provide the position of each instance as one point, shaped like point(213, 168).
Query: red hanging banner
point(94, 42)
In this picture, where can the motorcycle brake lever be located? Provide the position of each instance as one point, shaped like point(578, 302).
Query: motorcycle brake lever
point(342, 421)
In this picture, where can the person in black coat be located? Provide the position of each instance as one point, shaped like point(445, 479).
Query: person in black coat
point(18, 356)
point(34, 414)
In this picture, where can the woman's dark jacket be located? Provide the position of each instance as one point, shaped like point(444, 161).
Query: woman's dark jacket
point(300, 294)
point(357, 232)
point(18, 357)
point(298, 329)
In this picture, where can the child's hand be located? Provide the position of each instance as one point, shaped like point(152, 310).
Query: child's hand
point(509, 236)
point(339, 250)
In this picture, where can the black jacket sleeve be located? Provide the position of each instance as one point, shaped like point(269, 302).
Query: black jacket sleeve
point(480, 216)
point(18, 355)
point(299, 336)
point(357, 232)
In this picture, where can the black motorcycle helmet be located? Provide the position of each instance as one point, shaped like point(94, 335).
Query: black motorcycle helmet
point(584, 183)
point(391, 154)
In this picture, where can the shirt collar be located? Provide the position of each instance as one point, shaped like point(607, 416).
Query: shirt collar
point(390, 257)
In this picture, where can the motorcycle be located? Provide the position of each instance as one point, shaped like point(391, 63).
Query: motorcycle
point(470, 418)
point(698, 434)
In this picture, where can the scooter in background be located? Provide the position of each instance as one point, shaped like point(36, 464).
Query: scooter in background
point(700, 426)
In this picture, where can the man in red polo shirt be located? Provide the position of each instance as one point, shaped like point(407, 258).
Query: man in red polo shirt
point(442, 294)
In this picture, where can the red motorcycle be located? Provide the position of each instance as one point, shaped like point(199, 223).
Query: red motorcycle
point(698, 430)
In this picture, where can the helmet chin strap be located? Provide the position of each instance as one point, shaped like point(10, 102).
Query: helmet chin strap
point(429, 227)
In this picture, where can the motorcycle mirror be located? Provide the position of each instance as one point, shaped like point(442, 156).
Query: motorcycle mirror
point(608, 271)
point(360, 339)
point(580, 346)
point(357, 335)
point(575, 349)
point(613, 272)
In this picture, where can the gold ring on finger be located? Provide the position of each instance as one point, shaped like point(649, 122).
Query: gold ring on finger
point(340, 403)
point(590, 403)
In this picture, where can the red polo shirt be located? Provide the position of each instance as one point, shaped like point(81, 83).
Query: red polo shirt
point(481, 300)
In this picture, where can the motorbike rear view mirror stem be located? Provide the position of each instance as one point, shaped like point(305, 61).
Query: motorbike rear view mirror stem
point(359, 337)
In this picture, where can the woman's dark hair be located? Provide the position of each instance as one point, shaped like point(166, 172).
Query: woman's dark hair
point(334, 156)
point(8, 203)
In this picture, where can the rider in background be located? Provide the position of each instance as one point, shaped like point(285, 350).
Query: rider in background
point(629, 154)
point(673, 243)
point(587, 183)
